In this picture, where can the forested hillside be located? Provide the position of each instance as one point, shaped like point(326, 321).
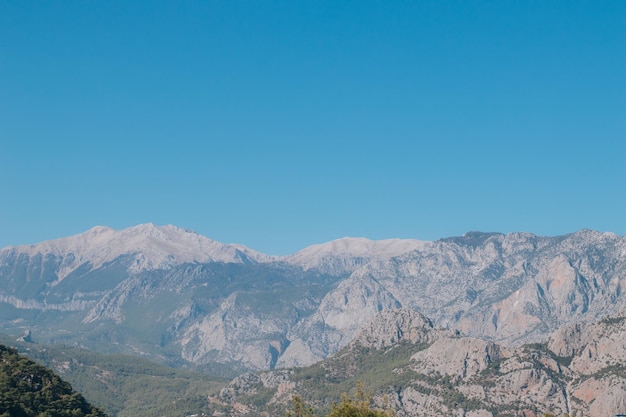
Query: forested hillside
point(125, 386)
point(28, 389)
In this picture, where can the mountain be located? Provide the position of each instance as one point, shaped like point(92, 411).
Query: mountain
point(513, 288)
point(150, 247)
point(415, 368)
point(182, 299)
point(344, 255)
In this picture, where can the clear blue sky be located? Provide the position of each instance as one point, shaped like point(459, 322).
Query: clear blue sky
point(279, 124)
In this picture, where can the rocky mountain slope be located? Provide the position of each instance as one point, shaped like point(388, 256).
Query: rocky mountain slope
point(151, 247)
point(343, 256)
point(418, 369)
point(512, 288)
point(181, 298)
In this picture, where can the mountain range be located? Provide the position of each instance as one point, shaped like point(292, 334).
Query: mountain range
point(183, 299)
point(412, 367)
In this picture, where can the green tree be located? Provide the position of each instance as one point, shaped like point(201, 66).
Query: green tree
point(30, 390)
point(299, 408)
point(359, 406)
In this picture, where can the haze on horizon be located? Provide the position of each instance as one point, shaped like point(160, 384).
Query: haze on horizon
point(280, 125)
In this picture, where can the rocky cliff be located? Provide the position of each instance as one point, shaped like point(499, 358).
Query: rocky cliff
point(172, 294)
point(418, 369)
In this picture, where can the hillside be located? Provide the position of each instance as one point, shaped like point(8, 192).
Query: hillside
point(126, 386)
point(30, 390)
point(418, 369)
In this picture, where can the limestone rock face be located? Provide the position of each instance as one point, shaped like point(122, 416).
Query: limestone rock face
point(461, 358)
point(343, 256)
point(592, 347)
point(512, 288)
point(453, 375)
point(162, 291)
point(233, 335)
point(600, 397)
point(611, 400)
point(391, 327)
point(336, 321)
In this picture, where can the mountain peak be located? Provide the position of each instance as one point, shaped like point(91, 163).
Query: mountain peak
point(151, 229)
point(390, 327)
point(360, 246)
point(343, 255)
point(152, 246)
point(472, 238)
point(97, 230)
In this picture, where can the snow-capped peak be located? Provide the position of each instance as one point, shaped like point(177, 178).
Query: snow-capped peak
point(153, 247)
point(359, 246)
point(353, 248)
point(156, 247)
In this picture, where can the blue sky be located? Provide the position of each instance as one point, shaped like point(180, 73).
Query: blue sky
point(279, 124)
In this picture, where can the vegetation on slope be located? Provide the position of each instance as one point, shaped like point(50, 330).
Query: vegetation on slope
point(359, 406)
point(30, 390)
point(372, 368)
point(353, 370)
point(127, 386)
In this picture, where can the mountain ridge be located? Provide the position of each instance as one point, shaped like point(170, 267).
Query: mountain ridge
point(99, 236)
point(256, 312)
point(155, 247)
point(415, 368)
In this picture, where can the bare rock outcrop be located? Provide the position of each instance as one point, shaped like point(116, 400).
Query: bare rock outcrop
point(447, 374)
point(592, 347)
point(336, 322)
point(391, 327)
point(460, 358)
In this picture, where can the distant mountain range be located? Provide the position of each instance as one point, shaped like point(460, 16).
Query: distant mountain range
point(178, 297)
